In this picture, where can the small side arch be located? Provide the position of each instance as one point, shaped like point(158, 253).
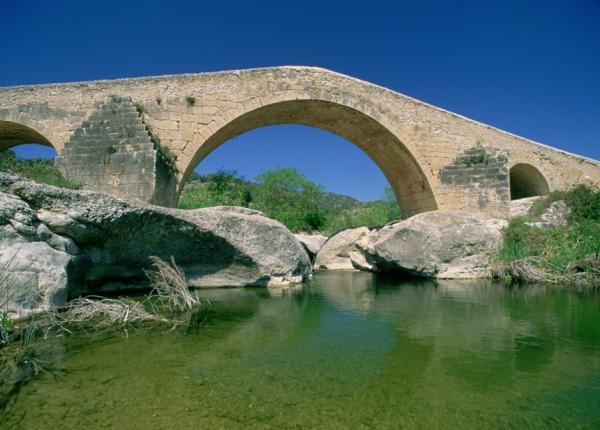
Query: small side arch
point(527, 181)
point(13, 134)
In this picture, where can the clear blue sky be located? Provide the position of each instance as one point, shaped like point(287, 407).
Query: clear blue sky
point(529, 67)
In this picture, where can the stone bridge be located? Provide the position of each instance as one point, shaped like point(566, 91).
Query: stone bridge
point(141, 138)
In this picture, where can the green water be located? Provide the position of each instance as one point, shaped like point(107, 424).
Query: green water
point(347, 350)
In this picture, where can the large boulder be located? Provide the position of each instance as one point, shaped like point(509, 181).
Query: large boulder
point(441, 244)
point(338, 251)
point(312, 243)
point(34, 262)
point(82, 241)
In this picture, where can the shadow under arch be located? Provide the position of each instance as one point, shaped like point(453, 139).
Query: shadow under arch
point(14, 134)
point(527, 181)
point(397, 163)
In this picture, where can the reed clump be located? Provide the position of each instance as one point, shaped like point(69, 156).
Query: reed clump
point(104, 312)
point(169, 286)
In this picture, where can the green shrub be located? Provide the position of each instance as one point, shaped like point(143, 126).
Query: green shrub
point(36, 169)
point(139, 107)
point(288, 196)
point(563, 253)
point(584, 203)
point(221, 188)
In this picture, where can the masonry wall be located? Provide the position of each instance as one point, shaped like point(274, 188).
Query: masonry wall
point(410, 131)
point(480, 179)
point(113, 152)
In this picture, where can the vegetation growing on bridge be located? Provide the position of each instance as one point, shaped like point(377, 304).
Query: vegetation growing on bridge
point(36, 169)
point(565, 255)
point(288, 196)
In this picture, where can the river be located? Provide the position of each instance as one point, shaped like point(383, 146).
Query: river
point(346, 350)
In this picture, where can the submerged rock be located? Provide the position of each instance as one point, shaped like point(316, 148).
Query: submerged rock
point(82, 241)
point(441, 244)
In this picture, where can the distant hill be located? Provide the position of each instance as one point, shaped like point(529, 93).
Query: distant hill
point(332, 202)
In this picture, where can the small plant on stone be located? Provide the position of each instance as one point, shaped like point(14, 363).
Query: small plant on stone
point(140, 108)
point(114, 98)
point(190, 100)
point(111, 149)
point(155, 140)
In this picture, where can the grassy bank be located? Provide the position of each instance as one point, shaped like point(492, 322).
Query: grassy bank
point(288, 196)
point(568, 254)
point(36, 169)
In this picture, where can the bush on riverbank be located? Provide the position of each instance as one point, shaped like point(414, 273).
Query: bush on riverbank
point(288, 196)
point(569, 254)
point(36, 169)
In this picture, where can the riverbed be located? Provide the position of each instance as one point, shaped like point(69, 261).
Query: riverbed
point(345, 350)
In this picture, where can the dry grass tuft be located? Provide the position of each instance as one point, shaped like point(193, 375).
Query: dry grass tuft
point(169, 285)
point(104, 312)
point(585, 271)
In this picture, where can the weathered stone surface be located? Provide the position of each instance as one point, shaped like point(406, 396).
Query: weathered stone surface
point(362, 252)
point(335, 253)
point(312, 243)
point(554, 216)
point(82, 241)
point(431, 157)
point(35, 276)
point(521, 207)
point(34, 261)
point(440, 244)
point(114, 152)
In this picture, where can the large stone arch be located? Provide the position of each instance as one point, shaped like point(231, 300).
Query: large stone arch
point(527, 181)
point(398, 163)
point(14, 133)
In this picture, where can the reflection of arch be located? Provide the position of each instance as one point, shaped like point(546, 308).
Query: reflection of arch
point(13, 134)
point(396, 161)
point(527, 181)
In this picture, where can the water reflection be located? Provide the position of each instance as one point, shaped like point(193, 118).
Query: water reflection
point(347, 350)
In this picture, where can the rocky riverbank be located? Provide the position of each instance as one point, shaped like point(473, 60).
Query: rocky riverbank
point(57, 243)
